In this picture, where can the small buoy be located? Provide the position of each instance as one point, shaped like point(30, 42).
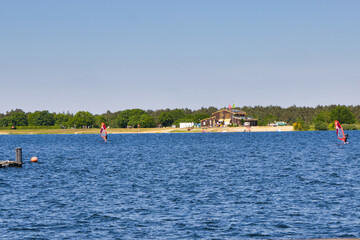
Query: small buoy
point(34, 159)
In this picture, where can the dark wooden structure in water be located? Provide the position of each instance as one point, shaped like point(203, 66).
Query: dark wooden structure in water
point(18, 160)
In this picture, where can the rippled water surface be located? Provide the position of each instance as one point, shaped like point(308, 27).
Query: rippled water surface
point(285, 185)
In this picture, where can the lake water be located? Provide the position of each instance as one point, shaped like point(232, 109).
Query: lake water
point(279, 185)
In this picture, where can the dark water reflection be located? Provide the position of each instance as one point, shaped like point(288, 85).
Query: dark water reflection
point(182, 186)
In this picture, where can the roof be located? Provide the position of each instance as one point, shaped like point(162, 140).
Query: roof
point(207, 118)
point(230, 111)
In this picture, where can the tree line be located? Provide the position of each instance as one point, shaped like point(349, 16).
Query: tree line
point(121, 119)
point(305, 116)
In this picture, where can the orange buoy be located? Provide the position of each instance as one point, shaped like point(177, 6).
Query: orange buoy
point(34, 159)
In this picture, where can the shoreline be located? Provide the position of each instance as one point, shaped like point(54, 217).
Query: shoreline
point(147, 130)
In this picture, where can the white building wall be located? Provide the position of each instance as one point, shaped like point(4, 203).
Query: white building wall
point(186, 125)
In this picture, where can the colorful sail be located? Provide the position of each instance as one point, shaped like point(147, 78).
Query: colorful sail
point(103, 131)
point(339, 131)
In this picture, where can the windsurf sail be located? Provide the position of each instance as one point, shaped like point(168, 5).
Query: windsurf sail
point(103, 131)
point(339, 131)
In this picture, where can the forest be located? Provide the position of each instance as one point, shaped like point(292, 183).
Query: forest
point(302, 118)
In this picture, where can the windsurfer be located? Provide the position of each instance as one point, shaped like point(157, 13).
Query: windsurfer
point(106, 133)
point(103, 132)
point(340, 132)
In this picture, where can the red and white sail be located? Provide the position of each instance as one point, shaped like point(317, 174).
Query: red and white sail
point(103, 131)
point(339, 131)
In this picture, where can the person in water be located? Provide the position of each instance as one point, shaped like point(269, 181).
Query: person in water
point(106, 133)
point(346, 137)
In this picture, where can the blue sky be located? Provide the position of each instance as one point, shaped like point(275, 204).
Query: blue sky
point(114, 55)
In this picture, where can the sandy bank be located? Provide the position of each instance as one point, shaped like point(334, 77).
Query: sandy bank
point(145, 130)
point(271, 129)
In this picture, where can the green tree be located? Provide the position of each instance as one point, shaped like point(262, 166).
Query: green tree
point(200, 116)
point(83, 118)
point(46, 119)
point(123, 118)
point(136, 111)
point(187, 118)
point(343, 115)
point(134, 121)
point(209, 110)
point(100, 119)
point(18, 119)
point(4, 121)
point(15, 117)
point(127, 115)
point(322, 117)
point(321, 126)
point(177, 114)
point(63, 120)
point(300, 125)
point(166, 119)
point(270, 118)
point(32, 118)
point(43, 118)
point(111, 119)
point(146, 121)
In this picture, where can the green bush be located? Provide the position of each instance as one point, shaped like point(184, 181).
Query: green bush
point(349, 127)
point(301, 127)
point(31, 127)
point(331, 126)
point(321, 126)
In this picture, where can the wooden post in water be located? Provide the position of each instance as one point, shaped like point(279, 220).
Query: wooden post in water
point(18, 158)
